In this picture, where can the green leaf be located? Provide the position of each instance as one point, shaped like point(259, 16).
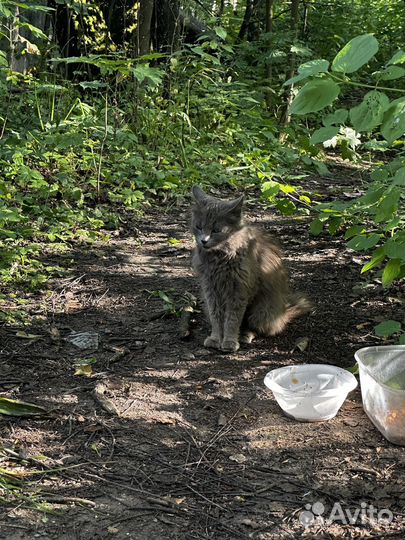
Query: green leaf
point(220, 32)
point(399, 178)
point(391, 272)
point(393, 125)
point(307, 69)
point(373, 194)
point(270, 189)
point(378, 257)
point(334, 224)
point(354, 369)
point(92, 85)
point(14, 407)
point(337, 117)
point(369, 114)
point(324, 134)
point(174, 241)
point(287, 188)
point(398, 58)
point(387, 328)
point(390, 73)
point(353, 231)
point(5, 11)
point(394, 248)
point(143, 72)
point(363, 242)
point(388, 205)
point(3, 59)
point(36, 31)
point(300, 50)
point(314, 96)
point(355, 54)
point(286, 207)
point(316, 227)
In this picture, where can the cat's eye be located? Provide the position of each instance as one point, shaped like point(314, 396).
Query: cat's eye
point(217, 229)
point(198, 228)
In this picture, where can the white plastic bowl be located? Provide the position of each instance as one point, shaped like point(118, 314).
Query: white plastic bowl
point(310, 392)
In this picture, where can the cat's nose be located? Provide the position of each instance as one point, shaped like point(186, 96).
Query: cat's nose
point(204, 240)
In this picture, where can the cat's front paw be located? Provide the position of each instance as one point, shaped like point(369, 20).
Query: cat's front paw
point(212, 342)
point(230, 345)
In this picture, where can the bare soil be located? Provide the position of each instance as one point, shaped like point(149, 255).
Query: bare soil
point(167, 440)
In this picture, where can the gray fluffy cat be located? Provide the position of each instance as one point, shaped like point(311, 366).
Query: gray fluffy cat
point(244, 283)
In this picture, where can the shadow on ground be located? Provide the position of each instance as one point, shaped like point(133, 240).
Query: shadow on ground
point(168, 440)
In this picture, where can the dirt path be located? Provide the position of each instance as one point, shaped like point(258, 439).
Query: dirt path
point(193, 445)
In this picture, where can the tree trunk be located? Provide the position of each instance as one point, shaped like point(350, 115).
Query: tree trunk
point(167, 25)
point(269, 67)
point(294, 27)
point(246, 20)
point(143, 34)
point(253, 24)
point(221, 8)
point(23, 53)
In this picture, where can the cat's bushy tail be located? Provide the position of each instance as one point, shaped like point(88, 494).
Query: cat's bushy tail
point(297, 304)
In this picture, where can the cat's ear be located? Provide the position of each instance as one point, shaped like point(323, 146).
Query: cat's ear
point(199, 195)
point(235, 206)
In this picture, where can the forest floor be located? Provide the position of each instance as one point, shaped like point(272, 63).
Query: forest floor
point(167, 440)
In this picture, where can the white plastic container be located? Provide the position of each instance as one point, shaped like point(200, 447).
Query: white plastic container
point(310, 392)
point(382, 381)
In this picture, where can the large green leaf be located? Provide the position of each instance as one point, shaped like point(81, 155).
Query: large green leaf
point(314, 96)
point(387, 328)
point(369, 114)
point(394, 248)
point(337, 117)
point(3, 59)
point(14, 407)
point(398, 58)
point(388, 205)
point(220, 32)
point(393, 125)
point(377, 258)
point(390, 73)
point(391, 272)
point(399, 177)
point(363, 242)
point(307, 69)
point(324, 134)
point(316, 227)
point(355, 54)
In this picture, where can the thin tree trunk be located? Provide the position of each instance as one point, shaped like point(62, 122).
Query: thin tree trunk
point(143, 34)
point(253, 26)
point(167, 25)
point(246, 20)
point(269, 66)
point(294, 27)
point(221, 8)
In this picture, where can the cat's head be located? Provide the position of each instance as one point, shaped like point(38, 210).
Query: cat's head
point(214, 220)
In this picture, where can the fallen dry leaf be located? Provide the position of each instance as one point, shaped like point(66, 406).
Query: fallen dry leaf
point(239, 458)
point(301, 344)
point(25, 335)
point(85, 369)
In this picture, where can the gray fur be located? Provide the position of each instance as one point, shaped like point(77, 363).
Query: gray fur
point(243, 280)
